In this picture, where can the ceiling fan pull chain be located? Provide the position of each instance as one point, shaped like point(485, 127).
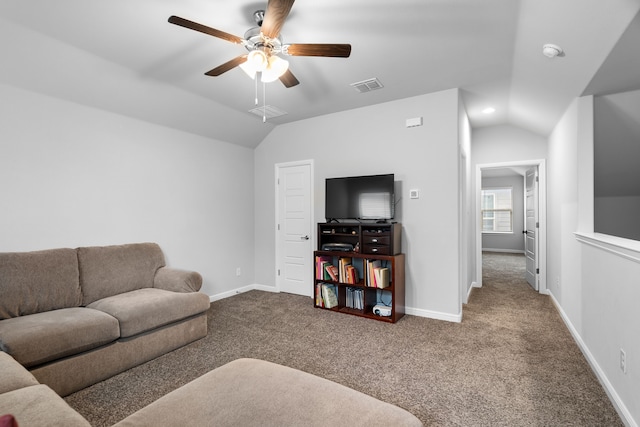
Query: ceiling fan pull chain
point(256, 90)
point(264, 102)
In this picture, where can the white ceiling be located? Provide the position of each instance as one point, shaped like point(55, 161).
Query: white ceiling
point(123, 56)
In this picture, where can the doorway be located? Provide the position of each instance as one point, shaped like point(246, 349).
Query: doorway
point(532, 231)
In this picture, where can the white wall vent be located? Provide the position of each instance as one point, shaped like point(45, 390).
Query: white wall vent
point(367, 85)
point(268, 111)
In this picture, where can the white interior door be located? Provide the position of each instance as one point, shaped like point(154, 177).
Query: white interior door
point(531, 224)
point(294, 226)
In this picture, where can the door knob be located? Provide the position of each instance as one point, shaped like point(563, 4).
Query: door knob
point(305, 237)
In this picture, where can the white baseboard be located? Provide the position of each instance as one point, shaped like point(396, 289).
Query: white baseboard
point(506, 251)
point(473, 285)
point(618, 404)
point(457, 318)
point(408, 310)
point(233, 292)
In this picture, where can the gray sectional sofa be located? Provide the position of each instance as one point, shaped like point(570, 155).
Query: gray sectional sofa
point(74, 317)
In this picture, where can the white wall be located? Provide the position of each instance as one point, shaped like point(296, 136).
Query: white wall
point(514, 241)
point(506, 143)
point(594, 280)
point(75, 176)
point(563, 266)
point(467, 206)
point(374, 140)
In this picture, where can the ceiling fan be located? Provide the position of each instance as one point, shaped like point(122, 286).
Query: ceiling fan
point(265, 45)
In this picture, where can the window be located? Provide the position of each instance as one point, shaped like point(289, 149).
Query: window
point(497, 210)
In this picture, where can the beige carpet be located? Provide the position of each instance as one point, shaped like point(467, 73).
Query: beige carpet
point(511, 362)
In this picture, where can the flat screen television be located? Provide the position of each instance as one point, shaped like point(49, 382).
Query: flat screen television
point(360, 197)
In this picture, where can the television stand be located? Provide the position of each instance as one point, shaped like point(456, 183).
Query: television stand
point(366, 281)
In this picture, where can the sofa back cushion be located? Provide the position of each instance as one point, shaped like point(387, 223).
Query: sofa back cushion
point(111, 270)
point(33, 282)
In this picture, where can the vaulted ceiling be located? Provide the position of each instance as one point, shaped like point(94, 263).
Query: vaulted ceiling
point(123, 56)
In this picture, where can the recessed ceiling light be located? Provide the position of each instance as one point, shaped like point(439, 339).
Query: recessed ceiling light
point(489, 110)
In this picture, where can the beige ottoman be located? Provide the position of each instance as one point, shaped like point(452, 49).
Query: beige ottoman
point(250, 392)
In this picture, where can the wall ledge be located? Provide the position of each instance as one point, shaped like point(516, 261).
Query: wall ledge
point(623, 248)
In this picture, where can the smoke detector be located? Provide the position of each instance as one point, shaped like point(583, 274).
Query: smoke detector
point(551, 50)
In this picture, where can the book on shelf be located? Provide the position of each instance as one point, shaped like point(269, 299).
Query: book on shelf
point(371, 265)
point(319, 301)
point(332, 271)
point(376, 275)
point(342, 268)
point(321, 263)
point(381, 277)
point(351, 275)
point(329, 296)
point(355, 298)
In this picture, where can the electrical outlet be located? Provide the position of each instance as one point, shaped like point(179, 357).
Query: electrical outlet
point(558, 282)
point(238, 271)
point(623, 361)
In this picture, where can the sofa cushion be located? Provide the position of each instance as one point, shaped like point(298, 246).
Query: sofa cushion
point(110, 270)
point(33, 282)
point(40, 406)
point(13, 375)
point(42, 337)
point(146, 309)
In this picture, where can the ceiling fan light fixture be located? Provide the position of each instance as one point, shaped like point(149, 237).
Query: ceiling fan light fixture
point(257, 61)
point(264, 44)
point(248, 69)
point(276, 68)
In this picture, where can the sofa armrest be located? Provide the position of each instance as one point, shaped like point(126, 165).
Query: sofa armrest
point(173, 279)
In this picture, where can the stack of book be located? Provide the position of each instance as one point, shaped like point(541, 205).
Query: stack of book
point(321, 267)
point(377, 276)
point(326, 295)
point(347, 272)
point(355, 298)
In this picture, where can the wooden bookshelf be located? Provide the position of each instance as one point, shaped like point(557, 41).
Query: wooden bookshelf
point(375, 274)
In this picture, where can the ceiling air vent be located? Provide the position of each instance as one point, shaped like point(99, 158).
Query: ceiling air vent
point(367, 85)
point(268, 111)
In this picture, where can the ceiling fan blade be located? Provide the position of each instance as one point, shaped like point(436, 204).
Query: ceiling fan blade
point(227, 66)
point(319, 49)
point(204, 29)
point(274, 17)
point(288, 79)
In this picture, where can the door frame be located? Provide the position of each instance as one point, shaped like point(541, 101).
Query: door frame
point(312, 235)
point(542, 217)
